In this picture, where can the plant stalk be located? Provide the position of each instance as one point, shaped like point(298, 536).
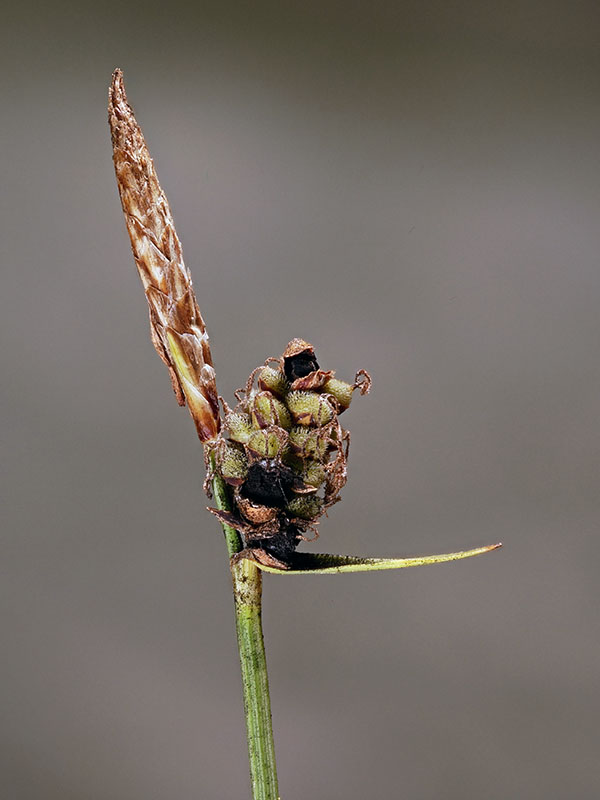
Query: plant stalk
point(247, 591)
point(247, 594)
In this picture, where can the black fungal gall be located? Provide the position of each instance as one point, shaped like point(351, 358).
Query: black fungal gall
point(269, 483)
point(299, 366)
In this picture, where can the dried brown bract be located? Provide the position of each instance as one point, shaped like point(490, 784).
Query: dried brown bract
point(283, 452)
point(177, 328)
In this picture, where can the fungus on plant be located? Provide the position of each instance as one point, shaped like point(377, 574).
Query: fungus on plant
point(283, 453)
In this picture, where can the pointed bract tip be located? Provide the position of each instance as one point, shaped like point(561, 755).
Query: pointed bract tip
point(116, 91)
point(117, 78)
point(323, 563)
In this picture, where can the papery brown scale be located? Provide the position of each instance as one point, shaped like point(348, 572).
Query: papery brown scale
point(297, 346)
point(313, 381)
point(256, 513)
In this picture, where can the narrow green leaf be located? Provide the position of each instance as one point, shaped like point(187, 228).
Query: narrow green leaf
point(326, 564)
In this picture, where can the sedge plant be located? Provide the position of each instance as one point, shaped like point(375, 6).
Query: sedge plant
point(275, 462)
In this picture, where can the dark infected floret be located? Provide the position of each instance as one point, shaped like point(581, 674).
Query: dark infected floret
point(268, 483)
point(281, 546)
point(300, 365)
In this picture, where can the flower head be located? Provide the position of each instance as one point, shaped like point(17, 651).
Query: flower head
point(176, 325)
point(283, 452)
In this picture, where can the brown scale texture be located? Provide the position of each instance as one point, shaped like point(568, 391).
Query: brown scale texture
point(177, 328)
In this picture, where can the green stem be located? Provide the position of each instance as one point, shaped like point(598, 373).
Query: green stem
point(247, 593)
point(247, 590)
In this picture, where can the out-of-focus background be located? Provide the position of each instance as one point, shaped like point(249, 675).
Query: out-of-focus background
point(413, 187)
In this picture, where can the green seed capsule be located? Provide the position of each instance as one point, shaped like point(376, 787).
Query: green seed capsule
point(233, 464)
point(309, 442)
point(341, 390)
point(273, 380)
point(313, 474)
point(268, 442)
point(305, 507)
point(268, 410)
point(292, 461)
point(308, 408)
point(239, 427)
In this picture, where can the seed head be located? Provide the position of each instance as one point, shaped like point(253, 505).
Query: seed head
point(283, 452)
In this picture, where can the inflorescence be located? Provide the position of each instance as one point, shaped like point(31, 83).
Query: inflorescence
point(283, 453)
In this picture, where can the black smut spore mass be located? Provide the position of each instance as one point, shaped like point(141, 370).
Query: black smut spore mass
point(282, 545)
point(299, 366)
point(268, 483)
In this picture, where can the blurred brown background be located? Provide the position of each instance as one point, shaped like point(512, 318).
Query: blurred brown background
point(414, 187)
